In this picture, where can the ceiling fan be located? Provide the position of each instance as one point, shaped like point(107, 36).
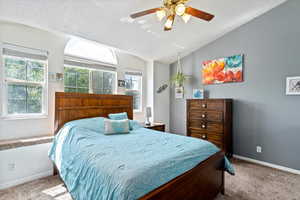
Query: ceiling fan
point(171, 8)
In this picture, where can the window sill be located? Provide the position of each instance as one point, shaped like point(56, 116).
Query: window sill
point(24, 117)
point(23, 142)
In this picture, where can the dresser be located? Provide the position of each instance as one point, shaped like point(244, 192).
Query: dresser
point(211, 119)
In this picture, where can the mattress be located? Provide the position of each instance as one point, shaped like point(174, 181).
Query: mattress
point(95, 166)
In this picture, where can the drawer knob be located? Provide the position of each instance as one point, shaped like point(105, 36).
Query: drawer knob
point(203, 126)
point(203, 115)
point(203, 136)
point(203, 105)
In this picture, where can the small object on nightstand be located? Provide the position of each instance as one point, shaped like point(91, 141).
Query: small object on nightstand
point(148, 115)
point(156, 126)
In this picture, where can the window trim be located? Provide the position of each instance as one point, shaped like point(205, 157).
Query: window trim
point(115, 90)
point(4, 112)
point(139, 74)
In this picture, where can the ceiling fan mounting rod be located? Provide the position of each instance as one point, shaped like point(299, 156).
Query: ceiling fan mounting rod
point(173, 3)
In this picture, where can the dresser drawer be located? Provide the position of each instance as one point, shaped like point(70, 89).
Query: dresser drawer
point(217, 143)
point(200, 136)
point(197, 134)
point(207, 104)
point(216, 139)
point(206, 126)
point(212, 136)
point(213, 116)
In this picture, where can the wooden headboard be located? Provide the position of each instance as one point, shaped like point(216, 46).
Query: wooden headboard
point(72, 106)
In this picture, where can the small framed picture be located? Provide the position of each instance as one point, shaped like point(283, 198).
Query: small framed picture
point(121, 83)
point(293, 85)
point(198, 94)
point(55, 77)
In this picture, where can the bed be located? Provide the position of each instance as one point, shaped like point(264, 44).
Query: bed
point(145, 164)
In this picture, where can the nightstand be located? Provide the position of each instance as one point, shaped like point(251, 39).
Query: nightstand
point(156, 126)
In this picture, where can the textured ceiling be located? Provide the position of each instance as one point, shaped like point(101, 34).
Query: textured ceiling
point(107, 22)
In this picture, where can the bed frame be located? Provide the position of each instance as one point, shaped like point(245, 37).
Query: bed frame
point(203, 182)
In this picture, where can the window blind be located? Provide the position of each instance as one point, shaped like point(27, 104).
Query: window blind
point(72, 61)
point(134, 73)
point(24, 52)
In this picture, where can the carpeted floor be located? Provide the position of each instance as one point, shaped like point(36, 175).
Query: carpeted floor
point(251, 182)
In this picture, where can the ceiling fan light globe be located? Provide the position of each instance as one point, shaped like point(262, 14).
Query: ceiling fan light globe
point(169, 22)
point(180, 9)
point(160, 14)
point(186, 17)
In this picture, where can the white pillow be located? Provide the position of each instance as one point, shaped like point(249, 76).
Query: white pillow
point(116, 126)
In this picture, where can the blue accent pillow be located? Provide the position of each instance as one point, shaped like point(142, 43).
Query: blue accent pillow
point(123, 115)
point(116, 126)
point(118, 116)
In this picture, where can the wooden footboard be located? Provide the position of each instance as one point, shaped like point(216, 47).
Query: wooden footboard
point(203, 182)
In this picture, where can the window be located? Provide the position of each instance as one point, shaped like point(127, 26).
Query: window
point(133, 84)
point(86, 80)
point(76, 79)
point(84, 69)
point(25, 82)
point(103, 82)
point(81, 48)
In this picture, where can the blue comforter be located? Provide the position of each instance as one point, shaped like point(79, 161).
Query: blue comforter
point(95, 166)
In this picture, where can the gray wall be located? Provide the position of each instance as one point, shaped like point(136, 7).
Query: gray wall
point(263, 114)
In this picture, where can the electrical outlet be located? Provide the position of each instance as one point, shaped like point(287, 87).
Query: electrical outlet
point(11, 166)
point(258, 149)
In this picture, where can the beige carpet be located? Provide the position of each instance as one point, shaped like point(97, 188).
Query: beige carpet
point(252, 182)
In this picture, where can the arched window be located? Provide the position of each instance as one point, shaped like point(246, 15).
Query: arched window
point(90, 50)
point(89, 67)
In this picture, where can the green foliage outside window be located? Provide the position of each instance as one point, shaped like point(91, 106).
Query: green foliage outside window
point(23, 96)
point(21, 69)
point(76, 80)
point(86, 80)
point(24, 99)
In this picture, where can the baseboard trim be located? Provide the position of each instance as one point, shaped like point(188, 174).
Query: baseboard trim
point(25, 179)
point(50, 172)
point(279, 167)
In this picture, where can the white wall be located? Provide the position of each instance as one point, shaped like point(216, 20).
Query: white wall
point(24, 164)
point(150, 87)
point(32, 162)
point(162, 100)
point(158, 74)
point(34, 38)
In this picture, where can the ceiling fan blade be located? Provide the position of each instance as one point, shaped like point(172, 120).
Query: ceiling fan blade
point(145, 12)
point(199, 14)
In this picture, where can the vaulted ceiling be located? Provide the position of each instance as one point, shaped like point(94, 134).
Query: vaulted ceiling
point(108, 22)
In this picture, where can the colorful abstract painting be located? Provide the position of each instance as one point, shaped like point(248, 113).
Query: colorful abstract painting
point(223, 70)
